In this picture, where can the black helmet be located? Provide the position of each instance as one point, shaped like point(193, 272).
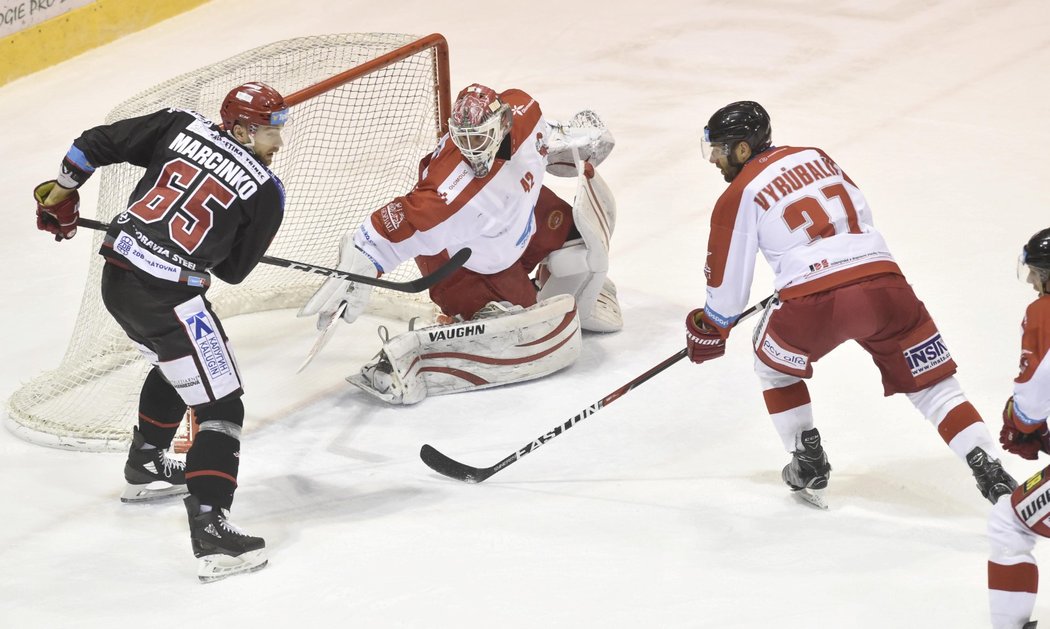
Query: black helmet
point(1037, 251)
point(743, 120)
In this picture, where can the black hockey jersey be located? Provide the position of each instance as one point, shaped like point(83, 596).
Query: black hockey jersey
point(206, 204)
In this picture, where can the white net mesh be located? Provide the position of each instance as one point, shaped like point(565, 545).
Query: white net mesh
point(354, 147)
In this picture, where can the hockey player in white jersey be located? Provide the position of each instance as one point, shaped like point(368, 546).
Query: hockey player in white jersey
point(836, 281)
point(1019, 520)
point(482, 188)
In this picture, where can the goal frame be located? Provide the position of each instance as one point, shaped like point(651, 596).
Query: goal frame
point(20, 418)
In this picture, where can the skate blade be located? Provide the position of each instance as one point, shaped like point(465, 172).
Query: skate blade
point(362, 383)
point(212, 568)
point(812, 497)
point(152, 491)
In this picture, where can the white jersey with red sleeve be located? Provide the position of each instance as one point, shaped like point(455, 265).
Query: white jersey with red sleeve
point(450, 208)
point(1032, 385)
point(809, 220)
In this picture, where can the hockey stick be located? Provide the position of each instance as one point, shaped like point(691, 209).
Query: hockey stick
point(413, 286)
point(442, 464)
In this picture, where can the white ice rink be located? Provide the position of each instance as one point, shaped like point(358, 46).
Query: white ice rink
point(664, 510)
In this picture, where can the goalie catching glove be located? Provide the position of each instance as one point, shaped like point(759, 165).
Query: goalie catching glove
point(58, 218)
point(334, 291)
point(1026, 445)
point(584, 138)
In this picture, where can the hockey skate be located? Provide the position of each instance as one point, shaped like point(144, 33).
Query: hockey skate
point(223, 549)
point(381, 377)
point(151, 474)
point(379, 373)
point(992, 480)
point(808, 472)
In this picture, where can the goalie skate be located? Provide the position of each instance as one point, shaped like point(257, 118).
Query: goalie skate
point(808, 472)
point(221, 548)
point(150, 474)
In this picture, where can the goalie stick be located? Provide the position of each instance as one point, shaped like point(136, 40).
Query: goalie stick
point(446, 466)
point(413, 286)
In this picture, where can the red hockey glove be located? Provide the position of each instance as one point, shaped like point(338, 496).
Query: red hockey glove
point(59, 219)
point(703, 340)
point(1026, 445)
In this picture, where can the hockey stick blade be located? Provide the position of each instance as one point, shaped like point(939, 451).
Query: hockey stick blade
point(413, 286)
point(451, 468)
point(323, 337)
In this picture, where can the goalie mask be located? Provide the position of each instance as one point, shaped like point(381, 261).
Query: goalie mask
point(478, 125)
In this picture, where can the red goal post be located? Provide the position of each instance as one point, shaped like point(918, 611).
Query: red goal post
point(365, 107)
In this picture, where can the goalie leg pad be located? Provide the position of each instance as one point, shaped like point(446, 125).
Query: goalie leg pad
point(501, 345)
point(580, 268)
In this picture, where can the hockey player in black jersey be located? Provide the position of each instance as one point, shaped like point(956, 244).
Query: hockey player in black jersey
point(207, 206)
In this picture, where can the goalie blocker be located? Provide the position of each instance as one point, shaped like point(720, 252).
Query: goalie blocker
point(501, 345)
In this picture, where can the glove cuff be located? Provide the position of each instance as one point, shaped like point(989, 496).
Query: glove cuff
point(699, 323)
point(42, 190)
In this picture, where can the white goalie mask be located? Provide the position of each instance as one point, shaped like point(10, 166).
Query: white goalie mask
point(478, 125)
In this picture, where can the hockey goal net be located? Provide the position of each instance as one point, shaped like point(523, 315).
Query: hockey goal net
point(365, 107)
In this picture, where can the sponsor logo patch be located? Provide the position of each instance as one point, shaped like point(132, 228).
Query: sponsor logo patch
point(1033, 482)
point(279, 117)
point(455, 183)
point(187, 383)
point(209, 346)
point(1034, 508)
point(781, 356)
point(455, 333)
point(124, 244)
point(392, 215)
point(927, 355)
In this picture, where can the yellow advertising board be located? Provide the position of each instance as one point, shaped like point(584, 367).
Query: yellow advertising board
point(35, 34)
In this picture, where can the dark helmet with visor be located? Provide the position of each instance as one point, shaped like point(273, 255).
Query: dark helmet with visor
point(1034, 262)
point(742, 121)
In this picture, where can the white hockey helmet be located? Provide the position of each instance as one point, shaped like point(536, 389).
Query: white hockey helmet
point(478, 125)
